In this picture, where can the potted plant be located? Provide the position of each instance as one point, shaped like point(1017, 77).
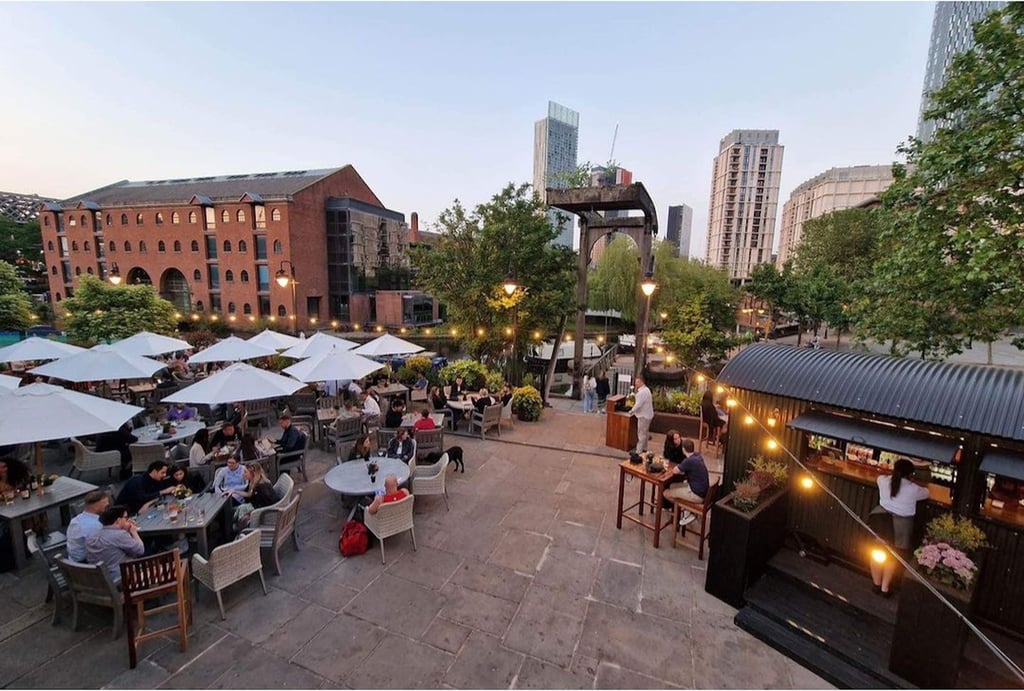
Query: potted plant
point(949, 560)
point(527, 403)
point(749, 528)
point(676, 409)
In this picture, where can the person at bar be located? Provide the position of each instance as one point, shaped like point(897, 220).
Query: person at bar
point(893, 519)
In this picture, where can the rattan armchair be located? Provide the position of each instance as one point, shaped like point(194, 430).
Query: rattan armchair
point(273, 536)
point(284, 488)
point(144, 454)
point(490, 417)
point(229, 564)
point(87, 460)
point(391, 519)
point(430, 479)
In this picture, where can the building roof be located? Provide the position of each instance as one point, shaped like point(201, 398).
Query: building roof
point(21, 208)
point(223, 188)
point(976, 398)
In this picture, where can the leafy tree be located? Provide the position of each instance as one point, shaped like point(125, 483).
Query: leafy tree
point(101, 312)
point(846, 240)
point(21, 245)
point(614, 282)
point(691, 336)
point(773, 286)
point(15, 306)
point(680, 280)
point(951, 253)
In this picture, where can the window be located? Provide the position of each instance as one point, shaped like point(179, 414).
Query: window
point(231, 308)
point(242, 247)
point(244, 276)
point(109, 222)
point(192, 217)
point(240, 216)
point(58, 297)
point(159, 218)
point(85, 246)
point(313, 306)
point(278, 247)
point(229, 276)
point(281, 312)
point(72, 222)
point(138, 219)
point(142, 245)
point(211, 247)
point(78, 272)
point(49, 245)
point(197, 275)
point(263, 285)
point(53, 270)
point(46, 221)
point(275, 214)
point(215, 302)
point(124, 219)
point(74, 245)
point(199, 305)
point(214, 272)
point(82, 219)
point(259, 214)
point(264, 305)
point(88, 270)
point(195, 245)
point(177, 245)
point(246, 308)
point(161, 246)
point(175, 218)
point(261, 247)
point(127, 246)
point(210, 217)
point(227, 246)
point(111, 246)
point(225, 216)
point(98, 218)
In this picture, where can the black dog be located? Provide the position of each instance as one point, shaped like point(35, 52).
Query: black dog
point(455, 458)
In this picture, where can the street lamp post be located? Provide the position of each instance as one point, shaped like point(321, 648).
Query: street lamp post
point(647, 286)
point(284, 280)
point(511, 286)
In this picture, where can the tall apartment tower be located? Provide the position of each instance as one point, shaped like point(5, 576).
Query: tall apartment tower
point(952, 33)
point(835, 189)
point(555, 145)
point(680, 223)
point(604, 176)
point(744, 201)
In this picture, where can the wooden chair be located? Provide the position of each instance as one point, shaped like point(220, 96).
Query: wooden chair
point(259, 413)
point(429, 441)
point(87, 460)
point(491, 417)
point(229, 564)
point(277, 525)
point(430, 479)
point(702, 511)
point(449, 414)
point(295, 459)
point(302, 403)
point(391, 519)
point(91, 584)
point(144, 454)
point(328, 402)
point(344, 430)
point(152, 578)
point(59, 589)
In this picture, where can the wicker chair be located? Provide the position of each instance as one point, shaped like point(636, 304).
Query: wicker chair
point(391, 519)
point(506, 415)
point(272, 536)
point(87, 460)
point(267, 516)
point(429, 441)
point(430, 479)
point(91, 584)
point(491, 417)
point(229, 564)
point(144, 454)
point(155, 578)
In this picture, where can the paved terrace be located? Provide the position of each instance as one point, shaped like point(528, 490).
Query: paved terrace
point(525, 583)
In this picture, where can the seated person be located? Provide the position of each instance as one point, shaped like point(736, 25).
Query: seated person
point(179, 412)
point(164, 380)
point(292, 438)
point(181, 477)
point(457, 389)
point(401, 446)
point(361, 449)
point(236, 415)
point(228, 434)
point(710, 415)
point(673, 452)
point(395, 414)
point(13, 474)
point(250, 450)
point(118, 440)
point(86, 523)
point(201, 452)
point(483, 400)
point(437, 398)
point(1005, 489)
point(506, 395)
point(389, 494)
point(371, 408)
point(142, 491)
point(230, 481)
point(694, 473)
point(260, 494)
point(116, 541)
point(421, 383)
point(425, 422)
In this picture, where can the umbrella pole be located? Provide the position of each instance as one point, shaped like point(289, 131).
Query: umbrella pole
point(39, 466)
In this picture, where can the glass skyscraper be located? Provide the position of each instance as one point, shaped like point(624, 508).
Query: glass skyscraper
point(555, 143)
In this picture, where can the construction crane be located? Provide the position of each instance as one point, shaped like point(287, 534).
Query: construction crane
point(611, 156)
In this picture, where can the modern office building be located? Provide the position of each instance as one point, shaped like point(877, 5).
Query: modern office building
point(952, 33)
point(214, 245)
point(836, 188)
point(555, 149)
point(606, 176)
point(678, 228)
point(744, 201)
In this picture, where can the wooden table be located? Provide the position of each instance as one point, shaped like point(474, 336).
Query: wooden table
point(139, 390)
point(392, 391)
point(61, 493)
point(196, 516)
point(657, 481)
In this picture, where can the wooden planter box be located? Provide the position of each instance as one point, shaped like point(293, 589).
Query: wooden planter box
point(741, 544)
point(686, 425)
point(928, 641)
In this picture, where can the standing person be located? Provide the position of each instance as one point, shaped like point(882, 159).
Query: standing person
point(604, 389)
point(116, 541)
point(589, 393)
point(86, 523)
point(695, 474)
point(893, 519)
point(643, 411)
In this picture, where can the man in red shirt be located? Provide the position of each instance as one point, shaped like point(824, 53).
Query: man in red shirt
point(389, 494)
point(425, 422)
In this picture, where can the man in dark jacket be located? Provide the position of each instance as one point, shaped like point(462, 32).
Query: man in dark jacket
point(119, 440)
point(145, 489)
point(291, 439)
point(694, 474)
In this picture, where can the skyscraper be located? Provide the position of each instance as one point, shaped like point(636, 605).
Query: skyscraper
point(680, 223)
point(555, 144)
point(744, 201)
point(952, 33)
point(836, 188)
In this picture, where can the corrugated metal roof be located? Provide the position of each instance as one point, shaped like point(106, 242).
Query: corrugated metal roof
point(976, 398)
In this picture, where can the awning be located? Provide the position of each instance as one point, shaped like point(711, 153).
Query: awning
point(898, 440)
point(999, 462)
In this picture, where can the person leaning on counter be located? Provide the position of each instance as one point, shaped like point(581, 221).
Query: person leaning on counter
point(893, 519)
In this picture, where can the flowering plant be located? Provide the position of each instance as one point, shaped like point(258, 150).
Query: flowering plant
point(947, 564)
point(181, 491)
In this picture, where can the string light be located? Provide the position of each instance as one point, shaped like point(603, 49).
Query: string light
point(806, 481)
point(355, 327)
point(480, 332)
point(772, 445)
point(748, 419)
point(879, 556)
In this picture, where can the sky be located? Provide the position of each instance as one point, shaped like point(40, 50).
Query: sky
point(433, 102)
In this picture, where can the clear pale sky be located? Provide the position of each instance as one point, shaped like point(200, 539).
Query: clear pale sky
point(433, 102)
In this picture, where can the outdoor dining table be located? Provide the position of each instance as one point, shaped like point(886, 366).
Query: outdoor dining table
point(393, 391)
point(657, 481)
point(196, 515)
point(139, 390)
point(61, 493)
point(181, 432)
point(351, 479)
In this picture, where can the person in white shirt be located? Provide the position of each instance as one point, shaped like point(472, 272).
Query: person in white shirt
point(86, 523)
point(643, 411)
point(371, 408)
point(893, 518)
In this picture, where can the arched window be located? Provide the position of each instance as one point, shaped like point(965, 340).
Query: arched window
point(108, 220)
point(72, 222)
point(229, 276)
point(177, 245)
point(242, 247)
point(142, 245)
point(275, 214)
point(74, 245)
point(127, 246)
point(231, 308)
point(247, 308)
point(124, 219)
point(49, 245)
point(53, 270)
point(46, 221)
point(159, 218)
point(192, 218)
point(197, 275)
point(227, 245)
point(111, 246)
point(161, 246)
point(175, 218)
point(195, 245)
point(225, 216)
point(240, 216)
point(138, 219)
point(281, 312)
point(244, 276)
point(82, 219)
point(58, 297)
point(199, 306)
point(88, 270)
point(278, 248)
point(78, 271)
point(85, 246)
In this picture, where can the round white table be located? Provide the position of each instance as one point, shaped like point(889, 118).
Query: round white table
point(183, 431)
point(351, 479)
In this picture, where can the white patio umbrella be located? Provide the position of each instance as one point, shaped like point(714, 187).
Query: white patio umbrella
point(332, 366)
point(40, 412)
point(231, 349)
point(274, 339)
point(146, 343)
point(7, 382)
point(100, 363)
point(318, 344)
point(387, 345)
point(238, 382)
point(35, 348)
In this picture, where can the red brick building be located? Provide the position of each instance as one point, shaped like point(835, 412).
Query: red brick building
point(213, 245)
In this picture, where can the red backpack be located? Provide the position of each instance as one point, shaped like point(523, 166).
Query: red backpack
point(354, 540)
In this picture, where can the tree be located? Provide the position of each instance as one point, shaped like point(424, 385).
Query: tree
point(21, 245)
point(691, 336)
point(846, 240)
point(952, 247)
point(614, 282)
point(102, 312)
point(15, 305)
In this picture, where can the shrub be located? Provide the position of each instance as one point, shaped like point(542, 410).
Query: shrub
point(494, 381)
point(960, 532)
point(676, 401)
point(527, 403)
point(767, 473)
point(746, 496)
point(407, 375)
point(528, 379)
point(473, 372)
point(420, 364)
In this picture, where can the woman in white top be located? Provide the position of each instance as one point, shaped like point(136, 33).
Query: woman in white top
point(200, 453)
point(893, 518)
